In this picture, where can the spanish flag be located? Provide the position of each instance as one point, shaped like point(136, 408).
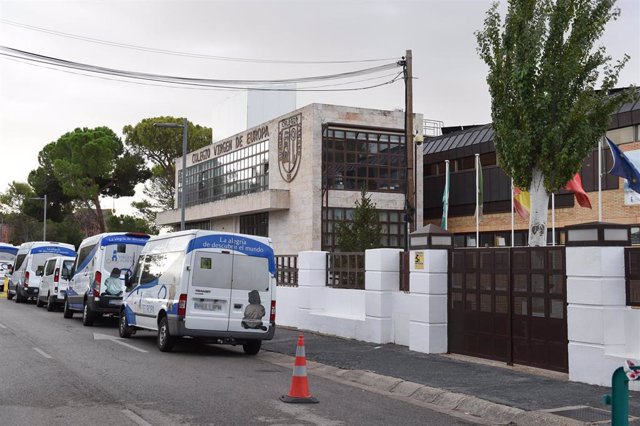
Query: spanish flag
point(521, 202)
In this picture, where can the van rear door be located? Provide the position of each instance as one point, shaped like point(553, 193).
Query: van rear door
point(209, 290)
point(250, 294)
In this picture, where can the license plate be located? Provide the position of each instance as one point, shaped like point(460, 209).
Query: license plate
point(115, 302)
point(207, 306)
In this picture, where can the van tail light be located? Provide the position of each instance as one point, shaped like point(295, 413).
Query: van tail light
point(182, 305)
point(56, 275)
point(96, 283)
point(26, 279)
point(272, 316)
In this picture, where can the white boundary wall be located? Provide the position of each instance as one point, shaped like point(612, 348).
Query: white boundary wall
point(380, 313)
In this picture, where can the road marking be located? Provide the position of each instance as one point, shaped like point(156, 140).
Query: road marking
point(98, 336)
point(135, 418)
point(43, 353)
point(3, 326)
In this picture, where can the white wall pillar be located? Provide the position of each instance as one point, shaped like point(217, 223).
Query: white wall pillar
point(596, 301)
point(428, 286)
point(382, 278)
point(312, 282)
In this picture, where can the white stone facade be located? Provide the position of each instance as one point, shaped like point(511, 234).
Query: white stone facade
point(295, 207)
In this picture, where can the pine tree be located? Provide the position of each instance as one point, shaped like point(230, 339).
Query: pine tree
point(364, 231)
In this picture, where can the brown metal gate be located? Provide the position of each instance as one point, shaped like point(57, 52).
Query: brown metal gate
point(509, 304)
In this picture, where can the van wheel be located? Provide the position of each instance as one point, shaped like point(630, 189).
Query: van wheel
point(252, 347)
point(39, 302)
point(165, 340)
point(9, 295)
point(67, 312)
point(123, 326)
point(51, 305)
point(19, 299)
point(87, 315)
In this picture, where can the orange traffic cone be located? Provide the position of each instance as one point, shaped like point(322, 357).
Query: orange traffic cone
point(299, 391)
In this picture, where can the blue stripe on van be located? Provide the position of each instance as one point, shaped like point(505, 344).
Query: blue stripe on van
point(138, 240)
point(130, 315)
point(241, 244)
point(62, 251)
point(11, 250)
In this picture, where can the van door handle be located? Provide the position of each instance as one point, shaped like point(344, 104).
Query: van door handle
point(237, 306)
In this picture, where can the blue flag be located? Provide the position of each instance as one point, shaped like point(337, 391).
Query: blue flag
point(624, 168)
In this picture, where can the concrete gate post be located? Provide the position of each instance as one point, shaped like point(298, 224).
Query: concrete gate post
point(382, 279)
point(428, 265)
point(312, 283)
point(596, 300)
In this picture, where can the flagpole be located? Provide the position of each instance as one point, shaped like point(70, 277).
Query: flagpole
point(513, 217)
point(447, 189)
point(477, 203)
point(600, 180)
point(553, 219)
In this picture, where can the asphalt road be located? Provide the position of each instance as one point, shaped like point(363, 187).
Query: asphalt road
point(54, 371)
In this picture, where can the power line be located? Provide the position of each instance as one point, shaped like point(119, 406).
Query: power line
point(29, 56)
point(184, 54)
point(193, 86)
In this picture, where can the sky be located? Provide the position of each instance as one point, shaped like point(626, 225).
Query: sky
point(38, 105)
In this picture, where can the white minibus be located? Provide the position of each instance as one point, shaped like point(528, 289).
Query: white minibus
point(97, 282)
point(29, 267)
point(213, 286)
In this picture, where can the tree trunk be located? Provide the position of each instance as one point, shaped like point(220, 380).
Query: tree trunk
point(99, 216)
point(538, 215)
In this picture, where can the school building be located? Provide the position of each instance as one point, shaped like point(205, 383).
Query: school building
point(293, 177)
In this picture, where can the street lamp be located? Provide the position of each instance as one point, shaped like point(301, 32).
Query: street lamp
point(185, 128)
point(44, 226)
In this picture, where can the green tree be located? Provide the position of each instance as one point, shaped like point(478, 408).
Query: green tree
point(12, 204)
point(547, 113)
point(162, 146)
point(128, 223)
point(364, 232)
point(90, 163)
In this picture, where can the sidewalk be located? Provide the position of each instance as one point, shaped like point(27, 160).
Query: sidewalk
point(521, 388)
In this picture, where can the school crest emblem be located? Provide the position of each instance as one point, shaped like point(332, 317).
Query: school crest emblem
point(289, 146)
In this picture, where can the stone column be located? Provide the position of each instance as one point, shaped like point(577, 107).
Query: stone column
point(382, 278)
point(596, 301)
point(312, 282)
point(428, 267)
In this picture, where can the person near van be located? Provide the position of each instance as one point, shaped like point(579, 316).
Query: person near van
point(113, 285)
point(254, 312)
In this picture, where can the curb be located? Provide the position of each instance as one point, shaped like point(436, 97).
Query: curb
point(462, 405)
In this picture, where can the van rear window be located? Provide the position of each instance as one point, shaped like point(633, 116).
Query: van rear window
point(19, 261)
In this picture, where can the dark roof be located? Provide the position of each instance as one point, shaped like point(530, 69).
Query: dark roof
point(458, 144)
point(463, 143)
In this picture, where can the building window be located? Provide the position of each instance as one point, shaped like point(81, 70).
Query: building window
point(356, 158)
point(205, 225)
point(391, 221)
point(240, 172)
point(255, 224)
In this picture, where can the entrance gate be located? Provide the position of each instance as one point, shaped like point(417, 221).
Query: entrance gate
point(509, 304)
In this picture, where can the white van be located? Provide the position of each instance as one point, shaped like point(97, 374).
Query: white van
point(97, 282)
point(7, 257)
point(53, 287)
point(209, 285)
point(29, 266)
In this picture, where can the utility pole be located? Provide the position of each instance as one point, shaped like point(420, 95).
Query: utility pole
point(410, 203)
